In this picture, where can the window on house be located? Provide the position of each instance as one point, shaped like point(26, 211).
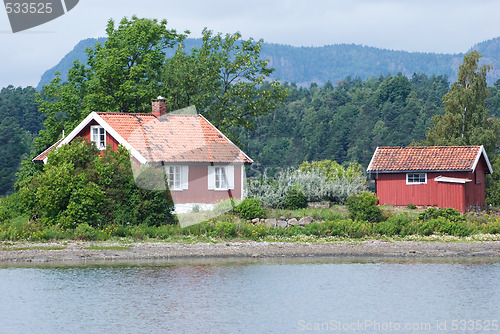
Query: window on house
point(177, 177)
point(98, 136)
point(220, 178)
point(416, 178)
point(174, 177)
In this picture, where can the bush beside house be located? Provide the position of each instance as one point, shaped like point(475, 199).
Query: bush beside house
point(81, 184)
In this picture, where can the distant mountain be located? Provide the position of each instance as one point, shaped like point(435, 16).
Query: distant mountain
point(305, 65)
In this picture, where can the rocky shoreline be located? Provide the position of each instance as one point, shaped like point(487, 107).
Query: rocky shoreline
point(80, 253)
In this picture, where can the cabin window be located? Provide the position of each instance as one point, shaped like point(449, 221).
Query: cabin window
point(98, 136)
point(177, 177)
point(416, 178)
point(220, 177)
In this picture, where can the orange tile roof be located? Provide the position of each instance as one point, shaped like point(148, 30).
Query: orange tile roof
point(175, 138)
point(425, 158)
point(42, 156)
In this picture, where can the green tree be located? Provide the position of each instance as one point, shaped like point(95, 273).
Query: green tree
point(20, 104)
point(224, 79)
point(15, 143)
point(121, 75)
point(466, 120)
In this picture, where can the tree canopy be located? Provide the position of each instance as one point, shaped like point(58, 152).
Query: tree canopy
point(224, 79)
point(19, 122)
point(121, 75)
point(466, 120)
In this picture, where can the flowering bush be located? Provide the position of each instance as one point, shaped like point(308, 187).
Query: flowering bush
point(318, 181)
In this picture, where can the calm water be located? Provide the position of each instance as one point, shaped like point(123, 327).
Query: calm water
point(257, 297)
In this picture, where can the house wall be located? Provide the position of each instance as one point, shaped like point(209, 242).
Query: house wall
point(110, 141)
point(393, 190)
point(198, 191)
point(476, 190)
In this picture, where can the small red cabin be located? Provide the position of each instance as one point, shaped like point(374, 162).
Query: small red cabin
point(441, 176)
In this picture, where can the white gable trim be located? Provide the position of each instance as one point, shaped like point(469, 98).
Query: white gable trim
point(94, 116)
point(371, 161)
point(482, 151)
point(251, 161)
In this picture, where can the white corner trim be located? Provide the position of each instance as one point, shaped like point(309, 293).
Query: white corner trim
point(242, 180)
point(488, 164)
point(94, 116)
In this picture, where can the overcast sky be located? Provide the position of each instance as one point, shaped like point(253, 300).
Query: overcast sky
point(444, 26)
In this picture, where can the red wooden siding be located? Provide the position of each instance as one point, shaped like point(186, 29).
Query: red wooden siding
point(198, 191)
point(393, 190)
point(110, 141)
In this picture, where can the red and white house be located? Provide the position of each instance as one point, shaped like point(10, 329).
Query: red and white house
point(441, 176)
point(202, 165)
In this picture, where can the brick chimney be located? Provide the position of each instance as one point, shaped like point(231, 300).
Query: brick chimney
point(159, 106)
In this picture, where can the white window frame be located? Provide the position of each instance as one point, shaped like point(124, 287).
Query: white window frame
point(177, 177)
point(410, 180)
point(221, 182)
point(221, 177)
point(98, 136)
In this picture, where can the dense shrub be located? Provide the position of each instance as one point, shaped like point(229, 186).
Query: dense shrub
point(459, 228)
point(362, 207)
point(79, 185)
point(395, 225)
point(447, 213)
point(85, 232)
point(295, 199)
point(250, 208)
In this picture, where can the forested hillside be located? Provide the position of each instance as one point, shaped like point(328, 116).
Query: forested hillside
point(20, 121)
point(306, 65)
point(347, 121)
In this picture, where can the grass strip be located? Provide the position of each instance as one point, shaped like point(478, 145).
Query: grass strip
point(107, 247)
point(33, 247)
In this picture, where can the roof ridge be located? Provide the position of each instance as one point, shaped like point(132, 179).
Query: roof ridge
point(423, 147)
point(124, 113)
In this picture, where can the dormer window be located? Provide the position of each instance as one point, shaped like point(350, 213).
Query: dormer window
point(98, 136)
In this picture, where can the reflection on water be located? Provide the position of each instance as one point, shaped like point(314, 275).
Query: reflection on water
point(274, 297)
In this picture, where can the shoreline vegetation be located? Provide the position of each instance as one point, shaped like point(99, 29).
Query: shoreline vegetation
point(403, 233)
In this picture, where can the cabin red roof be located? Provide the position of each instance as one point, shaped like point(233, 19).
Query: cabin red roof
point(426, 158)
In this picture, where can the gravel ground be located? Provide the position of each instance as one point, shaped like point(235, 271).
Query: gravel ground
point(75, 252)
